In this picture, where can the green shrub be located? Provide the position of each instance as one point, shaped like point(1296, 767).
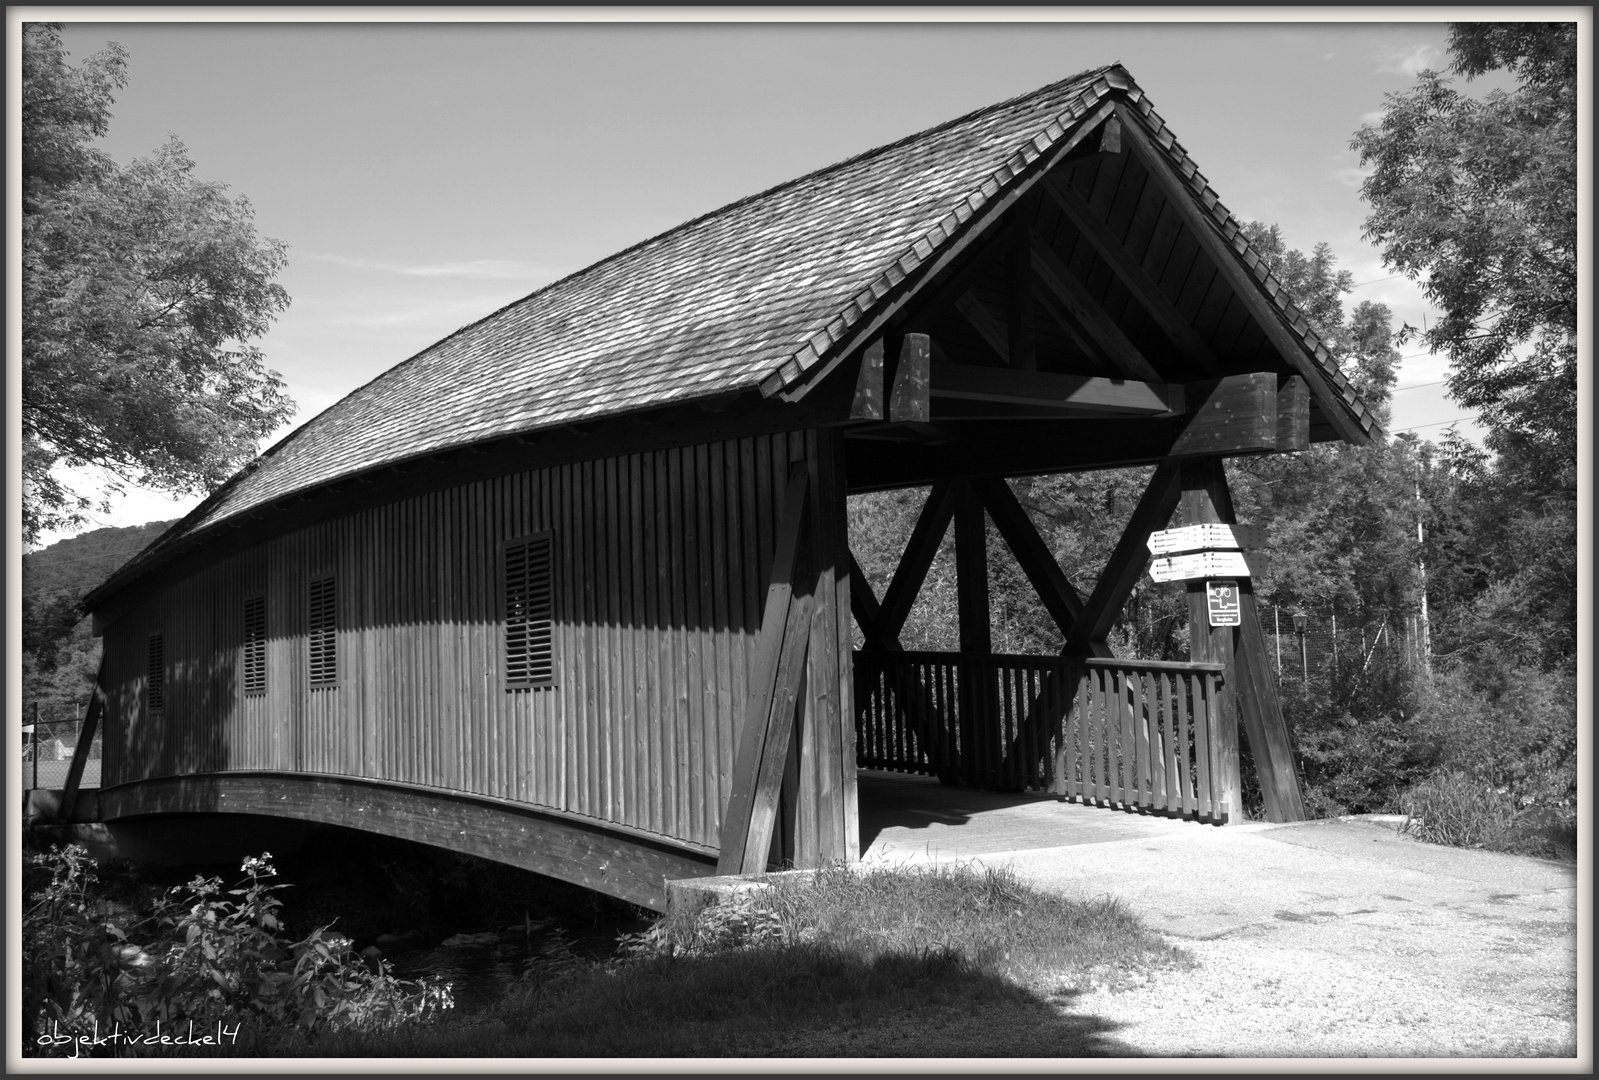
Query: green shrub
point(1509, 728)
point(209, 957)
point(1456, 809)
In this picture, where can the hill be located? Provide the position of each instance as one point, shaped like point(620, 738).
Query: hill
point(79, 563)
point(59, 654)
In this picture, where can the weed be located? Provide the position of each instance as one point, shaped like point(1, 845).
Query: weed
point(209, 956)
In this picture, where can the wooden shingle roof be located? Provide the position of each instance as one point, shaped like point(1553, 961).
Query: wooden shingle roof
point(752, 296)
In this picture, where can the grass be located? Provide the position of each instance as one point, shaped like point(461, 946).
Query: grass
point(1455, 809)
point(877, 962)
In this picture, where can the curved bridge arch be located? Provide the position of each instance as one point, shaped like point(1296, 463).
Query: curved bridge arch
point(604, 858)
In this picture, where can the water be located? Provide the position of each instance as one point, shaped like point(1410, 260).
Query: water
point(482, 970)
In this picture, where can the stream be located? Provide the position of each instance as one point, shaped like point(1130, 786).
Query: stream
point(482, 965)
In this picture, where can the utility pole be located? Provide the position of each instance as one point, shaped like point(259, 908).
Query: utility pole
point(1301, 624)
point(1277, 619)
point(1425, 627)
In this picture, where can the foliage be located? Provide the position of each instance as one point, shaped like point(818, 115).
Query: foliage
point(1360, 734)
point(60, 654)
point(209, 956)
point(1452, 808)
point(1520, 741)
point(142, 287)
point(1477, 199)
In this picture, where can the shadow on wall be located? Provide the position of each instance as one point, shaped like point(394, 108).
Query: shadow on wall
point(188, 734)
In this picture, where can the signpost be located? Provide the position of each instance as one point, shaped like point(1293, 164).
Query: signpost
point(1206, 537)
point(1207, 564)
point(1221, 597)
point(1204, 552)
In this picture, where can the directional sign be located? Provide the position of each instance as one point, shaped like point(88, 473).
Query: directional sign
point(1221, 598)
point(1207, 537)
point(1207, 564)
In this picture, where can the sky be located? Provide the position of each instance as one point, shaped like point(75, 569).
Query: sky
point(426, 174)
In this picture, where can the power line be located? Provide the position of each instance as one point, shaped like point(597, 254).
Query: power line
point(1417, 386)
point(1440, 423)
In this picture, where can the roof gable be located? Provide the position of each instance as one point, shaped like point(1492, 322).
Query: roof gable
point(764, 293)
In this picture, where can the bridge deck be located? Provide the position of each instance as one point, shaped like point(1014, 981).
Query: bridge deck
point(916, 819)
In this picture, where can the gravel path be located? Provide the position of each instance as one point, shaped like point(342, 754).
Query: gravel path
point(1327, 939)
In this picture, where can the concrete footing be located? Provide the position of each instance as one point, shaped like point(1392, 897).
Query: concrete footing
point(684, 896)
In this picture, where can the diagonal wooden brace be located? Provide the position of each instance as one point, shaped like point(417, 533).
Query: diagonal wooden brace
point(1032, 554)
point(920, 550)
point(927, 721)
point(1127, 562)
point(80, 753)
point(779, 627)
point(1104, 606)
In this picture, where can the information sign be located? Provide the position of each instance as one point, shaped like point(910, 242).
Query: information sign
point(1207, 537)
point(1207, 564)
point(1221, 597)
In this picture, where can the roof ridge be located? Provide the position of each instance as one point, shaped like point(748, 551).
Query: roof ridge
point(1098, 81)
point(593, 267)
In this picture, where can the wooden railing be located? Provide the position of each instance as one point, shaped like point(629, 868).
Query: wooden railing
point(1131, 733)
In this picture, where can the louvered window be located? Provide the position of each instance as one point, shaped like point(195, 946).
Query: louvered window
point(322, 637)
point(156, 685)
point(528, 570)
point(255, 645)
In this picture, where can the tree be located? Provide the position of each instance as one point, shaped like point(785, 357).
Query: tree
point(142, 288)
point(1477, 198)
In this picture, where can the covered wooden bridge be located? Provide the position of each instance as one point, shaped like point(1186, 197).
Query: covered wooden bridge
point(572, 589)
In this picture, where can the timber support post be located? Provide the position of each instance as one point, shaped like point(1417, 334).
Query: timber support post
point(793, 793)
point(978, 689)
point(1248, 681)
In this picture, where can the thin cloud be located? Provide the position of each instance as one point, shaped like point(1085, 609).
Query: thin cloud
point(481, 269)
point(1409, 62)
point(1350, 177)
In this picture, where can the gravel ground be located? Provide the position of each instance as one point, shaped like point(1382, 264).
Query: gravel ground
point(1338, 939)
point(1254, 999)
point(1480, 961)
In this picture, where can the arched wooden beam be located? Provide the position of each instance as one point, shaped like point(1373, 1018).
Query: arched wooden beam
point(631, 866)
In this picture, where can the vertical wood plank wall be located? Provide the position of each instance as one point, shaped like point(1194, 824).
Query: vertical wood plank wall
point(660, 567)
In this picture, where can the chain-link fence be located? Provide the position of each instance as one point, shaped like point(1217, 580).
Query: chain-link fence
point(47, 748)
point(1305, 642)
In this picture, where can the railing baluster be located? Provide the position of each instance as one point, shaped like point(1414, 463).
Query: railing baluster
point(1168, 757)
point(1127, 733)
point(1077, 763)
point(1207, 801)
point(1185, 743)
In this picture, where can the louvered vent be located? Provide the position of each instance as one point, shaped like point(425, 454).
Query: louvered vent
point(255, 645)
point(156, 686)
point(322, 637)
point(529, 656)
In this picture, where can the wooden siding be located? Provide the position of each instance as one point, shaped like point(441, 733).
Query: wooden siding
point(660, 566)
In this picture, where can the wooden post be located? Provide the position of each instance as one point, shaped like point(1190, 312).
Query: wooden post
point(1269, 743)
point(828, 822)
point(1248, 678)
point(978, 694)
point(1213, 644)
